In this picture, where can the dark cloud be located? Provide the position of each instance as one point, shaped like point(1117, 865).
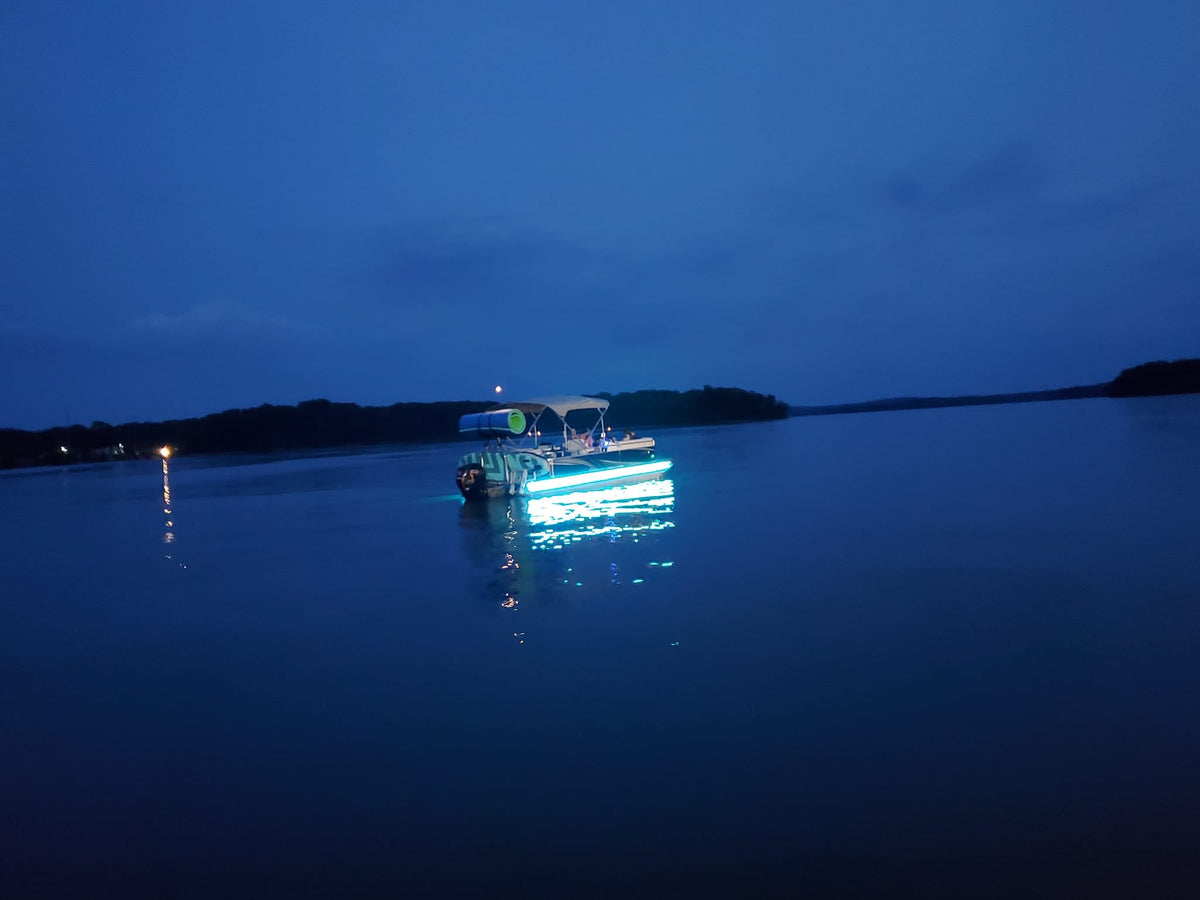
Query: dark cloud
point(216, 319)
point(1013, 170)
point(470, 260)
point(1100, 207)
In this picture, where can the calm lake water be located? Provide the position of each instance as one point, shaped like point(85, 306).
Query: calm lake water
point(943, 653)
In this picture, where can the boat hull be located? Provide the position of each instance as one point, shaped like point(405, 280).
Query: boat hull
point(501, 473)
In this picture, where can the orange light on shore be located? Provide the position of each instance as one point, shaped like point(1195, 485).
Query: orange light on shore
point(165, 452)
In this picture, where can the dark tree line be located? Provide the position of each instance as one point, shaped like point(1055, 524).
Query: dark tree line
point(710, 406)
point(321, 423)
point(311, 424)
point(1148, 379)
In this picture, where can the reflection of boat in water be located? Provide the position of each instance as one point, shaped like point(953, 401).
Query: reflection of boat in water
point(559, 520)
point(523, 552)
point(619, 512)
point(517, 461)
point(632, 509)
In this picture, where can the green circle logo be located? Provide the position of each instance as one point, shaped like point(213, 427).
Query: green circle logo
point(516, 421)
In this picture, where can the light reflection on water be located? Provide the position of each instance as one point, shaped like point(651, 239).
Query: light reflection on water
point(566, 547)
point(168, 534)
point(630, 509)
point(168, 508)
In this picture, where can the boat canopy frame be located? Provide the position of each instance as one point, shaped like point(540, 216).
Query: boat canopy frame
point(560, 405)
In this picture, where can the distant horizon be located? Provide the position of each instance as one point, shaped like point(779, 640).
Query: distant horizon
point(165, 402)
point(507, 394)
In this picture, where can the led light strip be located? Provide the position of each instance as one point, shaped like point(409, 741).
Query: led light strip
point(596, 475)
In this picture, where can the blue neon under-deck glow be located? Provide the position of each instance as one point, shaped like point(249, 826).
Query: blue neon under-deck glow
point(596, 476)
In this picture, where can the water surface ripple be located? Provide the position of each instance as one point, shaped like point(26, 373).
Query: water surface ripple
point(943, 652)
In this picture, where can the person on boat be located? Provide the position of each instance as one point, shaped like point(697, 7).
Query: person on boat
point(587, 440)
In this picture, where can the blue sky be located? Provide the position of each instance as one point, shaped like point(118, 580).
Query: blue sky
point(206, 206)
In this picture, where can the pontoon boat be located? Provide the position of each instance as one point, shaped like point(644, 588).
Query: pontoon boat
point(524, 454)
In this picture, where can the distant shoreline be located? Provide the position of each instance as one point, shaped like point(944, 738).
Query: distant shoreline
point(1147, 380)
point(320, 424)
point(899, 403)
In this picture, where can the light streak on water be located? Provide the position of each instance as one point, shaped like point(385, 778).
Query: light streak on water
point(168, 534)
point(634, 509)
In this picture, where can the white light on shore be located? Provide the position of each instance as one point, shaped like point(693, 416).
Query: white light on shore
point(165, 452)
